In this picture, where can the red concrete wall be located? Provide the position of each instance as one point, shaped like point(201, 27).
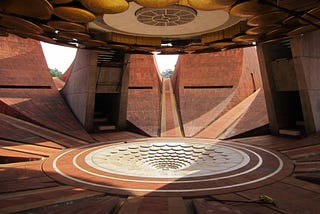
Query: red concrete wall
point(23, 63)
point(27, 87)
point(144, 94)
point(201, 106)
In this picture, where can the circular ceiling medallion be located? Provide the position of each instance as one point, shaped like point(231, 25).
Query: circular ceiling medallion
point(168, 16)
point(171, 22)
point(168, 166)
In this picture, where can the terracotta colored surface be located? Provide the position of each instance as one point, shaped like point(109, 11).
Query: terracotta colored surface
point(209, 85)
point(170, 121)
point(144, 94)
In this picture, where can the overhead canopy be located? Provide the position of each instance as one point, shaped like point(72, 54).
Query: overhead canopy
point(166, 26)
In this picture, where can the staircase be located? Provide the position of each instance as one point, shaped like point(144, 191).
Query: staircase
point(102, 123)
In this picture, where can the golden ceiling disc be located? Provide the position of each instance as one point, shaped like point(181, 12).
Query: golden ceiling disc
point(144, 49)
point(74, 14)
point(106, 6)
point(62, 38)
point(261, 30)
point(277, 31)
point(220, 45)
point(67, 26)
point(291, 21)
point(312, 15)
point(170, 50)
point(47, 28)
point(19, 25)
point(195, 47)
point(40, 38)
point(301, 30)
point(298, 5)
point(75, 35)
point(157, 3)
point(245, 39)
point(93, 43)
point(210, 4)
point(38, 9)
point(250, 8)
point(60, 1)
point(267, 18)
point(121, 47)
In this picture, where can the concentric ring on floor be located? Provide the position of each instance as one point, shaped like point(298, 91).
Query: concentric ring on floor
point(168, 167)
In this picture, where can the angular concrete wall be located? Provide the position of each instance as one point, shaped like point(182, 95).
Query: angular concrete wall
point(27, 87)
point(80, 88)
point(306, 57)
point(208, 85)
point(144, 94)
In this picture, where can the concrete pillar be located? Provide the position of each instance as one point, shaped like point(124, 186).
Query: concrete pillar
point(80, 88)
point(306, 57)
point(123, 102)
point(268, 86)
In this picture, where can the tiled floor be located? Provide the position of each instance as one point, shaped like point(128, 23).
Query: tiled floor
point(282, 174)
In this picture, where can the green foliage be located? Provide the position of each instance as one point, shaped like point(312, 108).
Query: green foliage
point(55, 72)
point(167, 73)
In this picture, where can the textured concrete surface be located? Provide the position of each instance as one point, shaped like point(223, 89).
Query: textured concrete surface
point(26, 87)
point(144, 94)
point(209, 85)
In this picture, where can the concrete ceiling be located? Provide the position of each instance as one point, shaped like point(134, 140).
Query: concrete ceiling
point(166, 26)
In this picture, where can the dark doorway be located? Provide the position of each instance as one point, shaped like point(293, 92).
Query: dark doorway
point(289, 110)
point(106, 111)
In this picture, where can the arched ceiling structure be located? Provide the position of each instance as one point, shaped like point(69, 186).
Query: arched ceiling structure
point(166, 26)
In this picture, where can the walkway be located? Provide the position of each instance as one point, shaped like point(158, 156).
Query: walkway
point(170, 124)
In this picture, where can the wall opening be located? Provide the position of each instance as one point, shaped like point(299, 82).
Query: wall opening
point(106, 111)
point(166, 64)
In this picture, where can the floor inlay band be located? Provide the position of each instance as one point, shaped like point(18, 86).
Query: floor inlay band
point(168, 166)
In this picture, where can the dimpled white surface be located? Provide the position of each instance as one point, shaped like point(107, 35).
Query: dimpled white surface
point(167, 159)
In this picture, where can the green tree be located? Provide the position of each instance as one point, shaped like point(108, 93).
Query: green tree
point(167, 73)
point(55, 72)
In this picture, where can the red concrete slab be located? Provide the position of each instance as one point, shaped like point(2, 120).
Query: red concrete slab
point(46, 133)
point(205, 207)
point(15, 202)
point(288, 198)
point(92, 205)
point(28, 148)
point(111, 136)
point(22, 170)
point(27, 184)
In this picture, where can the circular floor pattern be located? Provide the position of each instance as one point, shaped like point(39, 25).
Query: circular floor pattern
point(168, 167)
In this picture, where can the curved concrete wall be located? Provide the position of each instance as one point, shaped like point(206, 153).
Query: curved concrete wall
point(208, 85)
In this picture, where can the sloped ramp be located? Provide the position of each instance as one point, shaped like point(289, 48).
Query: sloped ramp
point(235, 121)
point(170, 123)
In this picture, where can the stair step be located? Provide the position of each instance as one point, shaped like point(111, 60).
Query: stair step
point(107, 128)
point(100, 119)
point(288, 132)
